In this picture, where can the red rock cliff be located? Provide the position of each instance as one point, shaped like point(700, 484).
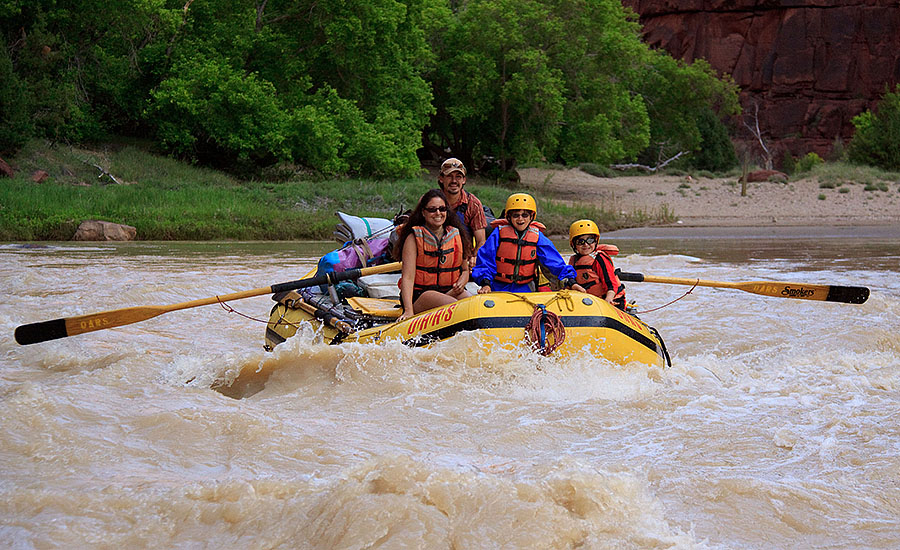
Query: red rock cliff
point(811, 65)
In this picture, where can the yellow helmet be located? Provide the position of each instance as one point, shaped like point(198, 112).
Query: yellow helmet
point(521, 201)
point(583, 227)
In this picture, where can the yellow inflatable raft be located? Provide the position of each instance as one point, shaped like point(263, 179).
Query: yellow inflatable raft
point(560, 323)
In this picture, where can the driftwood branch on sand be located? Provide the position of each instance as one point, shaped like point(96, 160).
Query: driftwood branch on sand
point(648, 168)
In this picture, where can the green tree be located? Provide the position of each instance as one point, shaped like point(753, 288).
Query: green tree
point(335, 85)
point(715, 151)
point(339, 85)
point(679, 98)
point(495, 89)
point(15, 126)
point(80, 61)
point(218, 108)
point(566, 80)
point(344, 74)
point(599, 51)
point(877, 138)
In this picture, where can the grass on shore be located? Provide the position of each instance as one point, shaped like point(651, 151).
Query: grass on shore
point(166, 199)
point(835, 174)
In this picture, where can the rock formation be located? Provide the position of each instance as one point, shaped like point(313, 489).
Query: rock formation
point(96, 230)
point(810, 65)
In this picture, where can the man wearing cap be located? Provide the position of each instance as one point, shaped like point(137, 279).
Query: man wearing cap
point(452, 179)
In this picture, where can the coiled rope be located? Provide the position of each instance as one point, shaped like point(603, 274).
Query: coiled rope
point(545, 329)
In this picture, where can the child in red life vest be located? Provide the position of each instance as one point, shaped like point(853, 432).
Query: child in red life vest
point(594, 265)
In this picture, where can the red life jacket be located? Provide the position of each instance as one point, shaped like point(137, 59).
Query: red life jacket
point(588, 268)
point(438, 264)
point(610, 249)
point(517, 258)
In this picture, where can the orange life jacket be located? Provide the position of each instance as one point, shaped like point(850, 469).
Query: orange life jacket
point(501, 222)
point(517, 257)
point(438, 264)
point(542, 283)
point(588, 275)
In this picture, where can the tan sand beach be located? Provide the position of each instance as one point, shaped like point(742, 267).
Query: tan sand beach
point(705, 206)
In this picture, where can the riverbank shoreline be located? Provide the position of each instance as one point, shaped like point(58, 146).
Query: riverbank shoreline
point(166, 199)
point(884, 231)
point(715, 207)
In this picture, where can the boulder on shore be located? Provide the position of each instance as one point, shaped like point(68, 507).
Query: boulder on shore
point(766, 175)
point(96, 230)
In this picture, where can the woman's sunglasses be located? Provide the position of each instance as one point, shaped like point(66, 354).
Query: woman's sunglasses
point(585, 240)
point(433, 209)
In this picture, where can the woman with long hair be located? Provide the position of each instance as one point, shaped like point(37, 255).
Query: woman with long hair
point(434, 247)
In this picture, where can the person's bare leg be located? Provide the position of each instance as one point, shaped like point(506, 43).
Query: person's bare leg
point(431, 299)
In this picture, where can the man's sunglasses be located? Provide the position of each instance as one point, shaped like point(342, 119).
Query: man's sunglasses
point(433, 209)
point(585, 240)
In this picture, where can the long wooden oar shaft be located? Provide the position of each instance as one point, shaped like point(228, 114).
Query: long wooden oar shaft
point(803, 291)
point(70, 326)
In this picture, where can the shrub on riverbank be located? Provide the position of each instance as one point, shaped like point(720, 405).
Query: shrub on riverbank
point(833, 174)
point(167, 199)
point(876, 140)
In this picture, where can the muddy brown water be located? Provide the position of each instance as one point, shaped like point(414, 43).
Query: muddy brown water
point(777, 425)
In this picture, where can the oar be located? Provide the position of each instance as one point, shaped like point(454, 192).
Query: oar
point(70, 326)
point(803, 291)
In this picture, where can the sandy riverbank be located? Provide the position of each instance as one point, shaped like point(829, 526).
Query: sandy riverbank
point(710, 207)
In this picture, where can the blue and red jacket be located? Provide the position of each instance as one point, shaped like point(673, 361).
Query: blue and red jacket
point(485, 271)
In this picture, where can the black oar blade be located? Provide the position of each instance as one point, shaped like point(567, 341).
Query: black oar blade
point(630, 277)
point(41, 332)
point(60, 328)
point(847, 294)
point(302, 283)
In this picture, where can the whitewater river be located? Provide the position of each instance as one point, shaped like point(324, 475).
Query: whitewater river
point(777, 426)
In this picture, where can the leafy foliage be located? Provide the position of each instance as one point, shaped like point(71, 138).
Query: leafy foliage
point(877, 138)
point(579, 86)
point(680, 99)
point(213, 105)
point(351, 86)
point(346, 75)
point(788, 163)
point(715, 151)
point(170, 199)
point(494, 86)
point(807, 162)
point(600, 55)
point(80, 61)
point(15, 126)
